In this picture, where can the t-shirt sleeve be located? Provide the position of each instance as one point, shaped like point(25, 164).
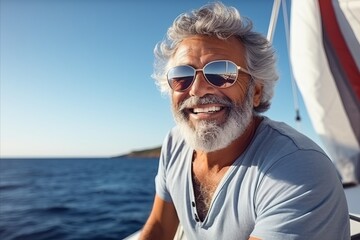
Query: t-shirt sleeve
point(301, 197)
point(160, 179)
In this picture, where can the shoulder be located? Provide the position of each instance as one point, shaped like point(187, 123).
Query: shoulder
point(174, 147)
point(290, 164)
point(276, 142)
point(288, 153)
point(173, 142)
point(280, 133)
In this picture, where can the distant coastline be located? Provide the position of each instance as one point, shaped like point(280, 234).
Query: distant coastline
point(146, 153)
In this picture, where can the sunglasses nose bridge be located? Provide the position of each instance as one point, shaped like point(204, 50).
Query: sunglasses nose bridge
point(200, 72)
point(200, 85)
point(196, 71)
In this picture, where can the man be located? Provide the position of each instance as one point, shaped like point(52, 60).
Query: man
point(225, 171)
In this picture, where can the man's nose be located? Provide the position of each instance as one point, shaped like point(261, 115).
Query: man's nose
point(200, 86)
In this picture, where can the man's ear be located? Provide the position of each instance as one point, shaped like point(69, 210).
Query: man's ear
point(258, 92)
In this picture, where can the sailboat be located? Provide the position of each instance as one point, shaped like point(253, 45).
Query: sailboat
point(323, 40)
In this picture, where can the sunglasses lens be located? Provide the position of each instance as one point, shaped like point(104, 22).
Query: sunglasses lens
point(221, 74)
point(180, 77)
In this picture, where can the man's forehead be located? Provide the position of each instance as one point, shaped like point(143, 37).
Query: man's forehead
point(207, 47)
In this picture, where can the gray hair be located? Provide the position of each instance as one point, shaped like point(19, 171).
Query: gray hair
point(221, 21)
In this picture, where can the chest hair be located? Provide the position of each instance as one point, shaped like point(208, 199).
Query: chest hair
point(204, 189)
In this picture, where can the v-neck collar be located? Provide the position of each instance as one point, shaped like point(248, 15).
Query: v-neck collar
point(215, 196)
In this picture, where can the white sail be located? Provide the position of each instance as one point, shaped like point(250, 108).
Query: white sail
point(325, 57)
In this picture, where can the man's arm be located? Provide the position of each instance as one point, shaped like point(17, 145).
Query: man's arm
point(162, 222)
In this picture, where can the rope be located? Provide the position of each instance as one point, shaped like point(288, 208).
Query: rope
point(293, 84)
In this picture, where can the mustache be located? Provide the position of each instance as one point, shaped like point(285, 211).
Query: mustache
point(207, 99)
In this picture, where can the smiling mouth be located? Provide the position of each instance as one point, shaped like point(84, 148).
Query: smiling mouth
point(213, 109)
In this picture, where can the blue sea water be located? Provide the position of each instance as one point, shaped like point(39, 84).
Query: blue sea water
point(74, 198)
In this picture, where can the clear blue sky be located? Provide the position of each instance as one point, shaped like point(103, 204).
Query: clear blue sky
point(75, 75)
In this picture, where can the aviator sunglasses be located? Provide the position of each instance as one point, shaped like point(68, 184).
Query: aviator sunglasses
point(219, 73)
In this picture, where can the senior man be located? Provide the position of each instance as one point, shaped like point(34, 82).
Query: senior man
point(226, 171)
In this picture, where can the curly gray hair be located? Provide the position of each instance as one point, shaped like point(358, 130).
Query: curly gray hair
point(221, 21)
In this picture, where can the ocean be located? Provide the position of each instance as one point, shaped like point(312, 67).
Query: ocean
point(73, 199)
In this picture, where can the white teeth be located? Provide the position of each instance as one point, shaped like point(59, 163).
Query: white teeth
point(206, 110)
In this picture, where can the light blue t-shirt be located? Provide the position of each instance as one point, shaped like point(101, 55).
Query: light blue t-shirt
point(282, 187)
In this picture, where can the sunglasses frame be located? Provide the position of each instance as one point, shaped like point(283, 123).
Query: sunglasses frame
point(239, 68)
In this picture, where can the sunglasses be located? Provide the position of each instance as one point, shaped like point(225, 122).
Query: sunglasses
point(220, 74)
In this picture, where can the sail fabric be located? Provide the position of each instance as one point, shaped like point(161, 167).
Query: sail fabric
point(325, 59)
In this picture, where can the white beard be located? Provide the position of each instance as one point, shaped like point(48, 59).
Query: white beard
point(208, 136)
